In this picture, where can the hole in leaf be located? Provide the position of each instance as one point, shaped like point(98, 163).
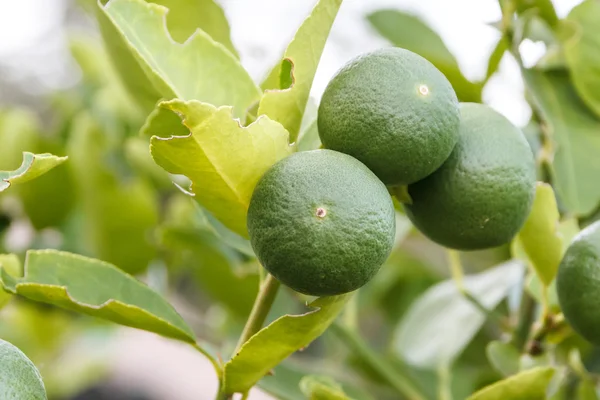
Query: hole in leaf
point(286, 74)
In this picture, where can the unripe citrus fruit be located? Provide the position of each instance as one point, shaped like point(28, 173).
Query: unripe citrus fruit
point(481, 196)
point(321, 222)
point(578, 283)
point(19, 378)
point(392, 110)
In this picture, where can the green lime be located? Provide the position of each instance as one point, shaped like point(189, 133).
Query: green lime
point(578, 283)
point(392, 110)
point(481, 196)
point(321, 222)
point(19, 379)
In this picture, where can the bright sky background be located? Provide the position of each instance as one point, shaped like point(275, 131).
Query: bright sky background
point(33, 41)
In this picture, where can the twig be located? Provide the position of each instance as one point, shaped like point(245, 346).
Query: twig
point(550, 323)
point(260, 310)
point(526, 320)
point(444, 390)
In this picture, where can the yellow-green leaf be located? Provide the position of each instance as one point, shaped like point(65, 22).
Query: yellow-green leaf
point(199, 69)
point(276, 342)
point(540, 237)
point(316, 387)
point(301, 59)
point(131, 73)
point(33, 166)
point(222, 159)
point(527, 385)
point(164, 123)
point(21, 131)
point(95, 288)
point(12, 264)
point(185, 16)
point(504, 357)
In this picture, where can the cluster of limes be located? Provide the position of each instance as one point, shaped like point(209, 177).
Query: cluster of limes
point(323, 221)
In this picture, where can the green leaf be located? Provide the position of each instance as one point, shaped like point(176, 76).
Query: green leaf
point(574, 129)
point(199, 69)
point(527, 385)
point(567, 229)
point(536, 288)
point(91, 59)
point(119, 211)
point(164, 123)
point(276, 342)
point(12, 264)
point(19, 378)
point(19, 133)
point(224, 234)
point(56, 187)
point(581, 46)
point(539, 236)
point(542, 8)
point(310, 139)
point(131, 73)
point(301, 59)
point(504, 357)
point(496, 57)
point(529, 361)
point(273, 79)
point(214, 267)
point(109, 97)
point(98, 289)
point(137, 152)
point(222, 159)
point(185, 16)
point(442, 308)
point(554, 59)
point(317, 387)
point(586, 390)
point(284, 383)
point(33, 166)
point(409, 32)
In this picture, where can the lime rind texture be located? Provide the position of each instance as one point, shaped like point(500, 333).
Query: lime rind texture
point(321, 222)
point(481, 196)
point(578, 283)
point(392, 110)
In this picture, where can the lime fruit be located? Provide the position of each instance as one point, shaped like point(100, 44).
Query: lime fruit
point(578, 283)
point(392, 110)
point(19, 379)
point(321, 222)
point(481, 196)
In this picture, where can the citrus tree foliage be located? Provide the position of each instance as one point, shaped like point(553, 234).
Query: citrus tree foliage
point(128, 206)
